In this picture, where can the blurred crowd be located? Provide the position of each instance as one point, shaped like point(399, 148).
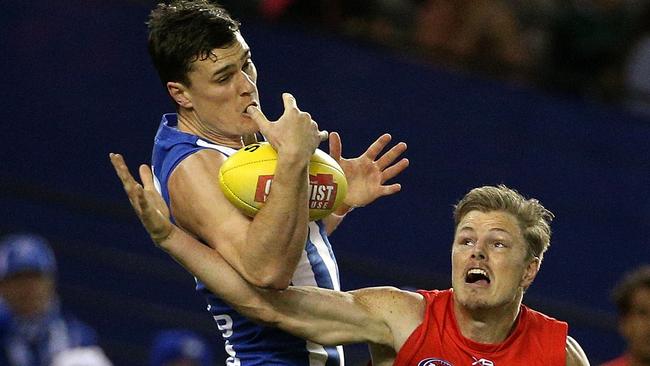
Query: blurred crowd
point(36, 330)
point(596, 49)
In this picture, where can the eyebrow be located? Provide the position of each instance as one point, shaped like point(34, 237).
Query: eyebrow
point(246, 55)
point(469, 228)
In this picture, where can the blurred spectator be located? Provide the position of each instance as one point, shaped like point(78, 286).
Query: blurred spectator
point(82, 356)
point(632, 298)
point(637, 69)
point(180, 347)
point(480, 35)
point(33, 329)
point(535, 18)
point(386, 22)
point(589, 41)
point(318, 13)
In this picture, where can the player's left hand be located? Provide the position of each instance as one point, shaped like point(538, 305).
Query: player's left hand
point(147, 203)
point(367, 173)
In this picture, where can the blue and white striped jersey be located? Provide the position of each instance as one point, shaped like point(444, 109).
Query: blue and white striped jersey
point(37, 341)
point(247, 343)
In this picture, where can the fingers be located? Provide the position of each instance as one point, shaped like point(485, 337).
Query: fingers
point(336, 148)
point(376, 147)
point(390, 189)
point(289, 102)
point(394, 170)
point(390, 156)
point(122, 171)
point(130, 185)
point(323, 135)
point(146, 176)
point(258, 117)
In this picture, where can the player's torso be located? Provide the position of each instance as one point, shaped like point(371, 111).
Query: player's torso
point(536, 340)
point(248, 343)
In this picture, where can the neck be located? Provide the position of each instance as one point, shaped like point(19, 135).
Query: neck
point(189, 122)
point(489, 325)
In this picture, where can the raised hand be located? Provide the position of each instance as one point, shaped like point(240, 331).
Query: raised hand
point(294, 132)
point(147, 203)
point(367, 173)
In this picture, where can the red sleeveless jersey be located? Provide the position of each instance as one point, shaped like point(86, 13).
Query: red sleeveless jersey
point(536, 340)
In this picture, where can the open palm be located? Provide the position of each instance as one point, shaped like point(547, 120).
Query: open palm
point(367, 173)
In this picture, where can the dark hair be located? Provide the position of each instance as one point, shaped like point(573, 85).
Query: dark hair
point(534, 220)
point(625, 289)
point(184, 31)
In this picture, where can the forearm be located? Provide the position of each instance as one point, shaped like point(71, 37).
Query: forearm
point(213, 270)
point(319, 315)
point(326, 317)
point(278, 232)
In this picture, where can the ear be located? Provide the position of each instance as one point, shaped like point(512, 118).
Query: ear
point(180, 94)
point(530, 272)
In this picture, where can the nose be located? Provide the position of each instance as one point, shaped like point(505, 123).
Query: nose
point(246, 83)
point(478, 251)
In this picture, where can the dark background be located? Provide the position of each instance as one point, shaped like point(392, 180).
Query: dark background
point(77, 84)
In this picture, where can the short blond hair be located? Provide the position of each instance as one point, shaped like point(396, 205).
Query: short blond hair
point(534, 219)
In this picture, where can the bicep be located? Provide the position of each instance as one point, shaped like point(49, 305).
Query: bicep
point(199, 206)
point(575, 356)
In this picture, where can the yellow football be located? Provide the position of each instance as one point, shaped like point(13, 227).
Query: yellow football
point(246, 179)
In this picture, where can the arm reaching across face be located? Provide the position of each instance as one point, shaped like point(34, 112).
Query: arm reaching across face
point(323, 316)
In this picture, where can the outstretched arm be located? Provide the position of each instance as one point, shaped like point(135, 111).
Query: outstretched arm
point(575, 356)
point(322, 316)
point(366, 175)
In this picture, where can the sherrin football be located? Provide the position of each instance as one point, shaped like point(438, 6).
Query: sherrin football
point(246, 179)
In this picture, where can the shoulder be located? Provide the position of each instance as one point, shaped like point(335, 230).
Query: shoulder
point(79, 332)
point(545, 323)
point(204, 162)
point(575, 356)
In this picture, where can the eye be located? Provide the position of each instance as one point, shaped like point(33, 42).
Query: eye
point(247, 65)
point(224, 79)
point(466, 241)
point(498, 244)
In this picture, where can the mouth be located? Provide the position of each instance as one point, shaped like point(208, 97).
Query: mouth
point(477, 276)
point(253, 103)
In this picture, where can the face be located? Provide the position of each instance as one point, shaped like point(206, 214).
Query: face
point(490, 266)
point(28, 294)
point(221, 88)
point(635, 326)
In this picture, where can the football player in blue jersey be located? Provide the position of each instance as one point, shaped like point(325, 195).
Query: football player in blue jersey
point(207, 68)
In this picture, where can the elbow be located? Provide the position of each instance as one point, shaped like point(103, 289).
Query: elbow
point(275, 280)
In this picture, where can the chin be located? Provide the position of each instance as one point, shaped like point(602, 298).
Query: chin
point(475, 304)
point(471, 300)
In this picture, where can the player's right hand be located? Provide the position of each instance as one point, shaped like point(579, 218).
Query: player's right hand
point(294, 133)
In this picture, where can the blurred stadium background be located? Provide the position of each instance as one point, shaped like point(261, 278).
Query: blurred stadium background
point(543, 96)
